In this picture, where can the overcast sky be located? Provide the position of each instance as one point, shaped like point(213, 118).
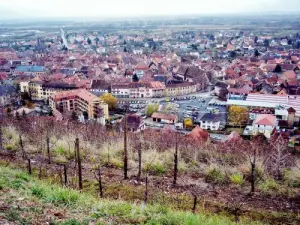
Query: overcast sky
point(121, 8)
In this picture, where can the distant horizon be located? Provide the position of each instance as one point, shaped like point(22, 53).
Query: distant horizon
point(151, 16)
point(65, 9)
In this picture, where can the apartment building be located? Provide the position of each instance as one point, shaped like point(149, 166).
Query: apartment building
point(80, 101)
point(40, 90)
point(180, 89)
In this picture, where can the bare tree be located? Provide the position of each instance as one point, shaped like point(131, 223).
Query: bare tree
point(278, 158)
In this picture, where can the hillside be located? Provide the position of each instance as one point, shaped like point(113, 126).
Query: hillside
point(26, 200)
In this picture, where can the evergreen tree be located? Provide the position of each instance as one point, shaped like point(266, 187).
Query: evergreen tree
point(89, 41)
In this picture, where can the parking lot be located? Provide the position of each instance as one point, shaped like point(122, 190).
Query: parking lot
point(196, 107)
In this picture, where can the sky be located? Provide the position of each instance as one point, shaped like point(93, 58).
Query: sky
point(137, 8)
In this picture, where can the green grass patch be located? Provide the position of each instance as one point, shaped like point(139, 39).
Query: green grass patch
point(107, 210)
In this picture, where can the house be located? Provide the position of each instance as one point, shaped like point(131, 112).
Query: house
point(193, 74)
point(164, 118)
point(135, 123)
point(8, 54)
point(221, 90)
point(264, 124)
point(82, 101)
point(8, 95)
point(140, 69)
point(212, 121)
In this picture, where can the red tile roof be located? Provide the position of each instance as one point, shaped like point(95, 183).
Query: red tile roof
point(265, 119)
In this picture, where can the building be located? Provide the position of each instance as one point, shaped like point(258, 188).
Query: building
point(213, 121)
point(164, 118)
point(8, 95)
point(40, 90)
point(30, 70)
point(180, 89)
point(264, 124)
point(268, 101)
point(80, 101)
point(135, 123)
point(8, 54)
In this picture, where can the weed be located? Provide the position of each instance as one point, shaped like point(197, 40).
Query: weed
point(269, 186)
point(236, 179)
point(215, 175)
point(17, 184)
point(157, 169)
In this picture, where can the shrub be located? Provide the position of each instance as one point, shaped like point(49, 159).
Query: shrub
point(292, 178)
point(157, 169)
point(60, 150)
point(269, 186)
point(236, 179)
point(215, 175)
point(11, 148)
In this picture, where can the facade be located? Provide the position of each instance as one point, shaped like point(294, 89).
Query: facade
point(212, 121)
point(180, 89)
point(164, 118)
point(79, 100)
point(43, 90)
point(264, 124)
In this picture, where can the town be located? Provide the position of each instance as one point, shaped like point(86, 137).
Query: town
point(212, 81)
point(199, 113)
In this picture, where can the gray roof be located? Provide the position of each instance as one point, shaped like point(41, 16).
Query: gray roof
point(7, 90)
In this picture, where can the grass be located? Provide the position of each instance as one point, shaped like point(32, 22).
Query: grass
point(105, 211)
point(214, 175)
point(236, 179)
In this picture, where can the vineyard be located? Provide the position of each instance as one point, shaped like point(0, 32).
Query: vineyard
point(241, 179)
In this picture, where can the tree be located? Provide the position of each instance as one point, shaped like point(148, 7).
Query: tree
point(23, 113)
point(135, 78)
point(18, 115)
point(188, 123)
point(74, 116)
point(237, 115)
point(89, 41)
point(110, 100)
point(278, 69)
point(151, 108)
point(266, 43)
point(256, 53)
point(8, 111)
point(232, 54)
point(279, 157)
point(85, 115)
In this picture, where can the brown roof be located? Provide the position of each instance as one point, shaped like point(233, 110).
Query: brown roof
point(164, 116)
point(198, 133)
point(290, 74)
